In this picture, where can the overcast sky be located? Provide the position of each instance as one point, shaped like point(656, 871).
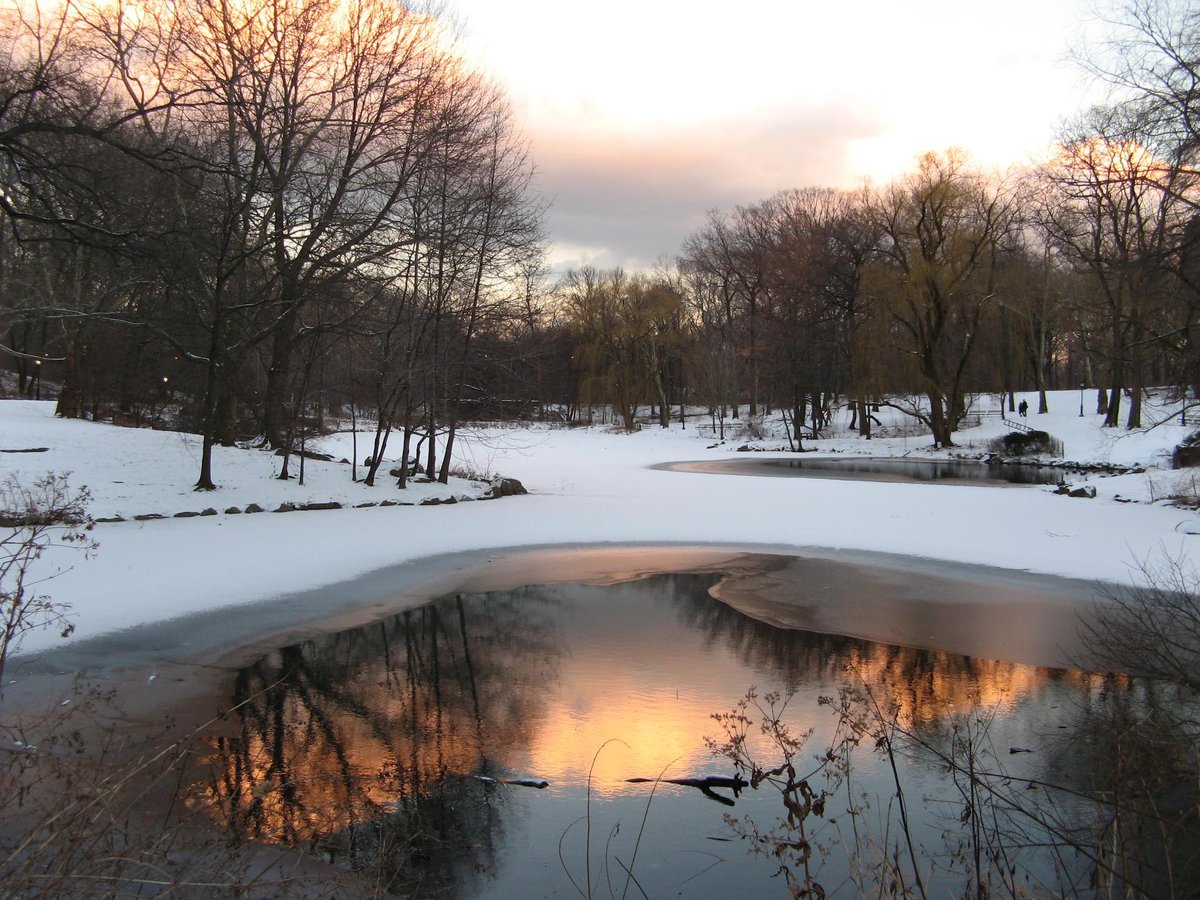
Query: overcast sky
point(642, 115)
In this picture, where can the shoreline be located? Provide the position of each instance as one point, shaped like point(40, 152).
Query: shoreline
point(157, 699)
point(177, 670)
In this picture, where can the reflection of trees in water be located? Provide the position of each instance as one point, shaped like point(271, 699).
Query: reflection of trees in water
point(362, 744)
point(1109, 800)
point(925, 685)
point(1132, 746)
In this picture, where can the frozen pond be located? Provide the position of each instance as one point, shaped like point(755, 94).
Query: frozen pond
point(412, 749)
point(882, 469)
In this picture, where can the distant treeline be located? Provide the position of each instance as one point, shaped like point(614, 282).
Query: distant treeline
point(245, 219)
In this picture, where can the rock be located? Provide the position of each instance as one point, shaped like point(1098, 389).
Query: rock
point(1088, 492)
point(147, 517)
point(507, 487)
point(254, 508)
point(1185, 456)
point(366, 505)
point(286, 507)
point(388, 503)
point(187, 514)
point(328, 504)
point(233, 511)
point(109, 519)
point(208, 512)
point(430, 501)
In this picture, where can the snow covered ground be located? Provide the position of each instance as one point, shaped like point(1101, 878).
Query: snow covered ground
point(587, 486)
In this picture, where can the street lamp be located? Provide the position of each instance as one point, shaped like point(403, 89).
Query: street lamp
point(1081, 386)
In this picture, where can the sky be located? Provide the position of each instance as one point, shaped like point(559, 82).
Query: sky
point(643, 115)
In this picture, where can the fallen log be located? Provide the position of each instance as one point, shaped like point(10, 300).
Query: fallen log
point(705, 785)
point(520, 782)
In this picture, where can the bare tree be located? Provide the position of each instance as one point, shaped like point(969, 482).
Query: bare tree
point(729, 253)
point(943, 227)
point(33, 518)
point(1116, 214)
point(623, 325)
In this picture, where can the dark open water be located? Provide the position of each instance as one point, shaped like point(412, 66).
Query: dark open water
point(952, 471)
point(386, 749)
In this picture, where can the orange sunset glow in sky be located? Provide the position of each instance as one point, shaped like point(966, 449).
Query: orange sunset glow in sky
point(644, 114)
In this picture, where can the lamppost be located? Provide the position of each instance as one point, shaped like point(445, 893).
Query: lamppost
point(1081, 386)
point(37, 379)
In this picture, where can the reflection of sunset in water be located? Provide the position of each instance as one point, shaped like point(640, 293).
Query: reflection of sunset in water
point(943, 683)
point(655, 729)
point(429, 713)
point(629, 732)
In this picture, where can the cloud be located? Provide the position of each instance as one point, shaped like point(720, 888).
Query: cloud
point(628, 198)
point(645, 115)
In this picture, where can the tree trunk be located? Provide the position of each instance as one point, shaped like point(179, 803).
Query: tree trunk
point(379, 446)
point(1137, 378)
point(1135, 409)
point(208, 425)
point(405, 449)
point(939, 423)
point(1112, 411)
point(69, 406)
point(447, 451)
point(431, 450)
point(798, 422)
point(275, 401)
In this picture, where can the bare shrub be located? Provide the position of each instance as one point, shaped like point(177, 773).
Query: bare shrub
point(34, 518)
point(88, 810)
point(1152, 629)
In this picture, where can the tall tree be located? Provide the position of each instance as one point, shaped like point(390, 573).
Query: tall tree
point(623, 326)
point(1116, 213)
point(943, 227)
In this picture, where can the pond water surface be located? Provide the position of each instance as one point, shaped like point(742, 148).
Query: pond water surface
point(881, 469)
point(413, 749)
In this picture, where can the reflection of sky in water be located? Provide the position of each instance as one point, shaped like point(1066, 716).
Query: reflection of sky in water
point(397, 721)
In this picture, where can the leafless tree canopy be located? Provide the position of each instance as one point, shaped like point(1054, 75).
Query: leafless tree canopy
point(241, 219)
